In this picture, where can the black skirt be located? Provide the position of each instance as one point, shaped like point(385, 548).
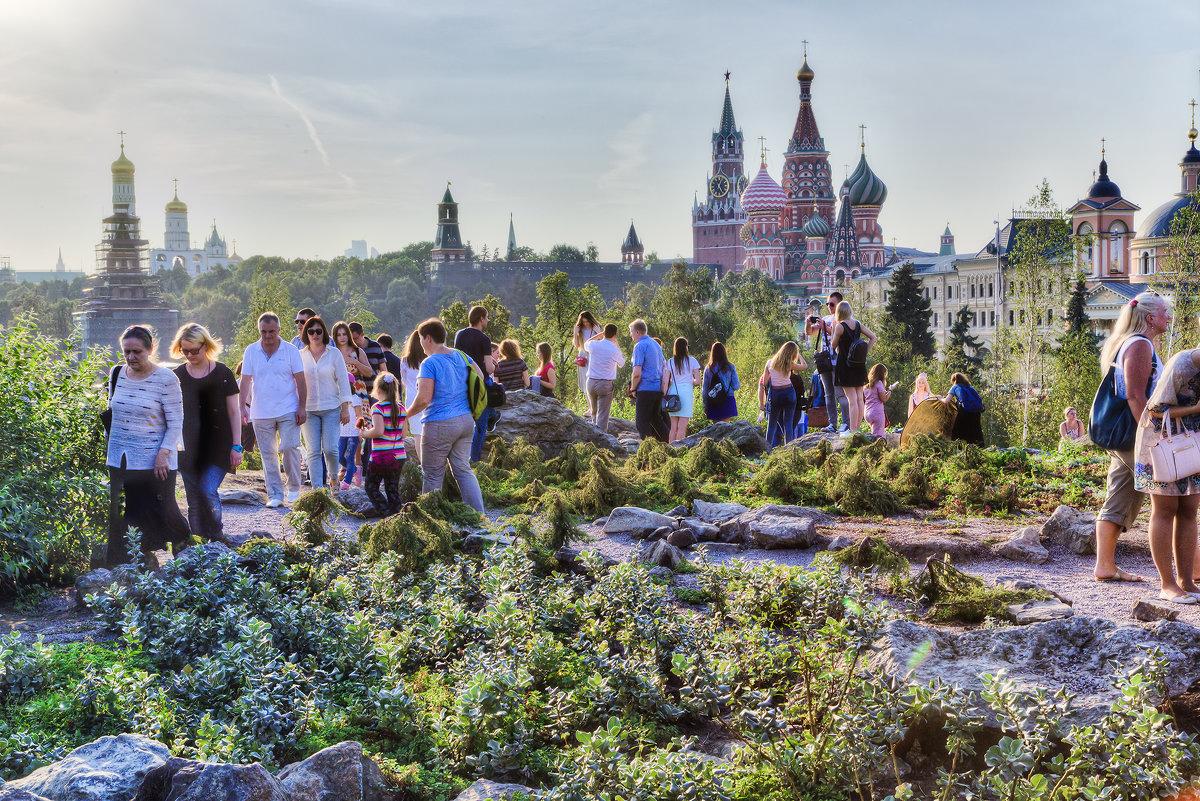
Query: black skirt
point(968, 427)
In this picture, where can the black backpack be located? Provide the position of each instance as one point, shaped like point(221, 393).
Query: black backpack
point(717, 391)
point(859, 347)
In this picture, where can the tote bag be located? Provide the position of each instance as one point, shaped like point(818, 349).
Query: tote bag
point(1176, 455)
point(671, 402)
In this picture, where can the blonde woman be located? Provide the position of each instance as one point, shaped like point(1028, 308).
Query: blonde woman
point(211, 415)
point(849, 374)
point(775, 392)
point(920, 392)
point(1129, 350)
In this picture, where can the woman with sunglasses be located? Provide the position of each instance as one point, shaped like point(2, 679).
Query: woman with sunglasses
point(328, 404)
point(210, 416)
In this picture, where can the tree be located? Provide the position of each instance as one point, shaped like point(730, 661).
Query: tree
point(268, 295)
point(1076, 316)
point(1178, 273)
point(592, 252)
point(651, 257)
point(962, 348)
point(559, 305)
point(753, 295)
point(566, 253)
point(357, 311)
point(526, 253)
point(455, 317)
point(908, 311)
point(682, 308)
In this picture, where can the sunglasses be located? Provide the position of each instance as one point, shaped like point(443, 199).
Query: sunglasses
point(190, 351)
point(312, 331)
point(301, 322)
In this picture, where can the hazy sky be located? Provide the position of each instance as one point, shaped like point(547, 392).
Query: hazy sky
point(302, 124)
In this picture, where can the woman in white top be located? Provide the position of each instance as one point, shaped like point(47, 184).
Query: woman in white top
point(681, 376)
point(143, 450)
point(410, 371)
point(920, 392)
point(328, 403)
point(586, 327)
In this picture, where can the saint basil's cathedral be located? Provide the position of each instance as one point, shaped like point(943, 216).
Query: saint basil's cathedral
point(790, 232)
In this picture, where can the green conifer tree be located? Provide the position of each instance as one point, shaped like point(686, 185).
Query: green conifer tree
point(908, 311)
point(1076, 316)
point(962, 347)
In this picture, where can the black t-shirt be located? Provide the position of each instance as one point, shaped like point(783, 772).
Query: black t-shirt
point(207, 437)
point(392, 361)
point(475, 344)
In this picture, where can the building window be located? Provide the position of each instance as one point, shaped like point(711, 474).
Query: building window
point(991, 289)
point(926, 293)
point(972, 290)
point(949, 292)
point(1049, 316)
point(935, 293)
point(993, 323)
point(1145, 263)
point(1010, 319)
point(935, 321)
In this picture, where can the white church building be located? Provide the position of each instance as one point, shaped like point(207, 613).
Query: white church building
point(177, 247)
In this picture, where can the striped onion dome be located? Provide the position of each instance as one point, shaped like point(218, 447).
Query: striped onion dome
point(865, 187)
point(815, 227)
point(763, 194)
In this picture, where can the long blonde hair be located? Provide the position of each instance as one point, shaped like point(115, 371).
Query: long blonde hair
point(921, 380)
point(1131, 322)
point(784, 358)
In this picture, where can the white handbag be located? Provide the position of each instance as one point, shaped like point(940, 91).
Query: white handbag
point(1176, 455)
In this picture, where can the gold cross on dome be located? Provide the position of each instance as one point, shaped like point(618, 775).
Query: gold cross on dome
point(176, 182)
point(1193, 105)
point(862, 137)
point(805, 43)
point(1102, 147)
point(122, 135)
point(762, 143)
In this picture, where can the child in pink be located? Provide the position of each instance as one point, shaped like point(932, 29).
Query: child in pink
point(875, 395)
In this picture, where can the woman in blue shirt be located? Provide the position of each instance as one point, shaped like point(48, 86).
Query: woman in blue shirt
point(447, 425)
point(968, 424)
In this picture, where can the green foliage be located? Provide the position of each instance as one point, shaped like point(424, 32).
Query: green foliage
point(53, 499)
point(962, 347)
point(414, 536)
point(955, 596)
point(310, 516)
point(907, 312)
point(269, 294)
point(557, 524)
point(455, 317)
point(710, 460)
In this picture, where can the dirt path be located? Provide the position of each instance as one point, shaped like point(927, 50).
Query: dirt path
point(968, 540)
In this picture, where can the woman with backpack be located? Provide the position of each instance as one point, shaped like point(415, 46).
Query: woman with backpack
point(968, 423)
point(719, 383)
point(852, 342)
point(448, 424)
point(1129, 354)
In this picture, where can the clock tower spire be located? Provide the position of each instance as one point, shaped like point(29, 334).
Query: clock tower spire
point(717, 221)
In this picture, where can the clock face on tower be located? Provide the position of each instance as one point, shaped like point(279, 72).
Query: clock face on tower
point(741, 184)
point(718, 186)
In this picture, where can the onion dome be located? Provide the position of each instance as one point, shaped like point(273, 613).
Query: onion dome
point(805, 72)
point(1193, 155)
point(763, 194)
point(865, 187)
point(122, 166)
point(816, 226)
point(1158, 222)
point(1104, 188)
point(176, 204)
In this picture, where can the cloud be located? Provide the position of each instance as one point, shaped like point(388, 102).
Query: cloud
point(312, 129)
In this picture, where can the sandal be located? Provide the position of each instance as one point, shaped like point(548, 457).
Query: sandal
point(1185, 599)
point(1121, 575)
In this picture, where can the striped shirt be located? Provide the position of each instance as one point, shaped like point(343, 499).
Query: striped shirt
point(391, 441)
point(510, 373)
point(147, 414)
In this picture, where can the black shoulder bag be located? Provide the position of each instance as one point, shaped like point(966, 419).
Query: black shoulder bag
point(106, 415)
point(823, 359)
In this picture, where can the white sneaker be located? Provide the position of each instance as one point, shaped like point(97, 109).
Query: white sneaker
point(846, 434)
point(293, 496)
point(274, 503)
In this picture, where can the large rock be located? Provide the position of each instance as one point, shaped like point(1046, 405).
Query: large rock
point(635, 521)
point(483, 790)
point(96, 582)
point(1025, 545)
point(1072, 653)
point(243, 497)
point(682, 538)
point(548, 424)
point(745, 435)
point(1039, 611)
point(716, 512)
point(203, 556)
point(1072, 528)
point(338, 773)
point(357, 502)
point(190, 780)
point(660, 553)
point(1150, 608)
point(704, 532)
point(775, 526)
point(109, 769)
point(10, 793)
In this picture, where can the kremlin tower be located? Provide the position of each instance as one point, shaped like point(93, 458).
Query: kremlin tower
point(447, 244)
point(123, 293)
point(806, 181)
point(632, 251)
point(845, 259)
point(717, 222)
point(764, 201)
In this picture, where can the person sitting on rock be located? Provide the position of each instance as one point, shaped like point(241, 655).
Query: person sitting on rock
point(511, 371)
point(1071, 429)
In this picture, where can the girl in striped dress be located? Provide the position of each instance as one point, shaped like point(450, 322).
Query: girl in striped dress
point(386, 432)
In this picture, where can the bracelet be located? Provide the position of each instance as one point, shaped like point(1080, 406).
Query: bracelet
point(238, 448)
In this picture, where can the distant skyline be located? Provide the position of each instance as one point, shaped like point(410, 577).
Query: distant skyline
point(303, 125)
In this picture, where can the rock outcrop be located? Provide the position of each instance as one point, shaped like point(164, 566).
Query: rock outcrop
point(745, 435)
point(1072, 528)
point(636, 522)
point(483, 790)
point(109, 769)
point(775, 526)
point(341, 772)
point(1025, 545)
point(548, 424)
point(190, 780)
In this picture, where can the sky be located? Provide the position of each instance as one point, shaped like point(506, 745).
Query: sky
point(299, 125)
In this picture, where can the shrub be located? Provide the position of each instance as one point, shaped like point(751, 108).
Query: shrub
point(710, 460)
point(416, 537)
point(953, 595)
point(310, 515)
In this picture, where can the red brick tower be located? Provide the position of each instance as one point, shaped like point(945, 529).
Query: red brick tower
point(717, 222)
point(806, 182)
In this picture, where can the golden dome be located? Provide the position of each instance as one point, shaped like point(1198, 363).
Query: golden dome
point(805, 72)
point(122, 166)
point(176, 204)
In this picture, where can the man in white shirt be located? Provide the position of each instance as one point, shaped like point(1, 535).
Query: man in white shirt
point(273, 376)
point(604, 357)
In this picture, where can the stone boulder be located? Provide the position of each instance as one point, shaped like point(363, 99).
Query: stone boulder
point(716, 512)
point(238, 540)
point(635, 521)
point(190, 780)
point(483, 790)
point(745, 435)
point(1025, 545)
point(203, 556)
point(1072, 653)
point(338, 773)
point(10, 793)
point(548, 424)
point(1150, 608)
point(775, 526)
point(1039, 611)
point(568, 560)
point(1072, 528)
point(242, 497)
point(704, 532)
point(108, 769)
point(478, 543)
point(660, 553)
point(357, 502)
point(96, 582)
point(682, 538)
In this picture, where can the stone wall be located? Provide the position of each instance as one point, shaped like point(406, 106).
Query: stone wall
point(101, 329)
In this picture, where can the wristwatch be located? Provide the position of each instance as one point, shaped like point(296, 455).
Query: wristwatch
point(238, 448)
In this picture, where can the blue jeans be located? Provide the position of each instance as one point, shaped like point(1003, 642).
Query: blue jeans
point(347, 449)
point(779, 423)
point(204, 504)
point(322, 430)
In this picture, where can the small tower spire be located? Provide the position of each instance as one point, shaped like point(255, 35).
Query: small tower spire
point(512, 239)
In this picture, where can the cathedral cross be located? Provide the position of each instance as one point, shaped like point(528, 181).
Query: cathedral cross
point(122, 135)
point(762, 143)
point(176, 182)
point(862, 137)
point(805, 43)
point(1193, 105)
point(1102, 147)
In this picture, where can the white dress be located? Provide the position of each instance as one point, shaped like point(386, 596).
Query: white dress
point(408, 376)
point(581, 373)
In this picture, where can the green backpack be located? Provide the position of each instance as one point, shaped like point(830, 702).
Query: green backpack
point(477, 397)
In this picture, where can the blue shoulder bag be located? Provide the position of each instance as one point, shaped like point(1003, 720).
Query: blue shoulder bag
point(1112, 425)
